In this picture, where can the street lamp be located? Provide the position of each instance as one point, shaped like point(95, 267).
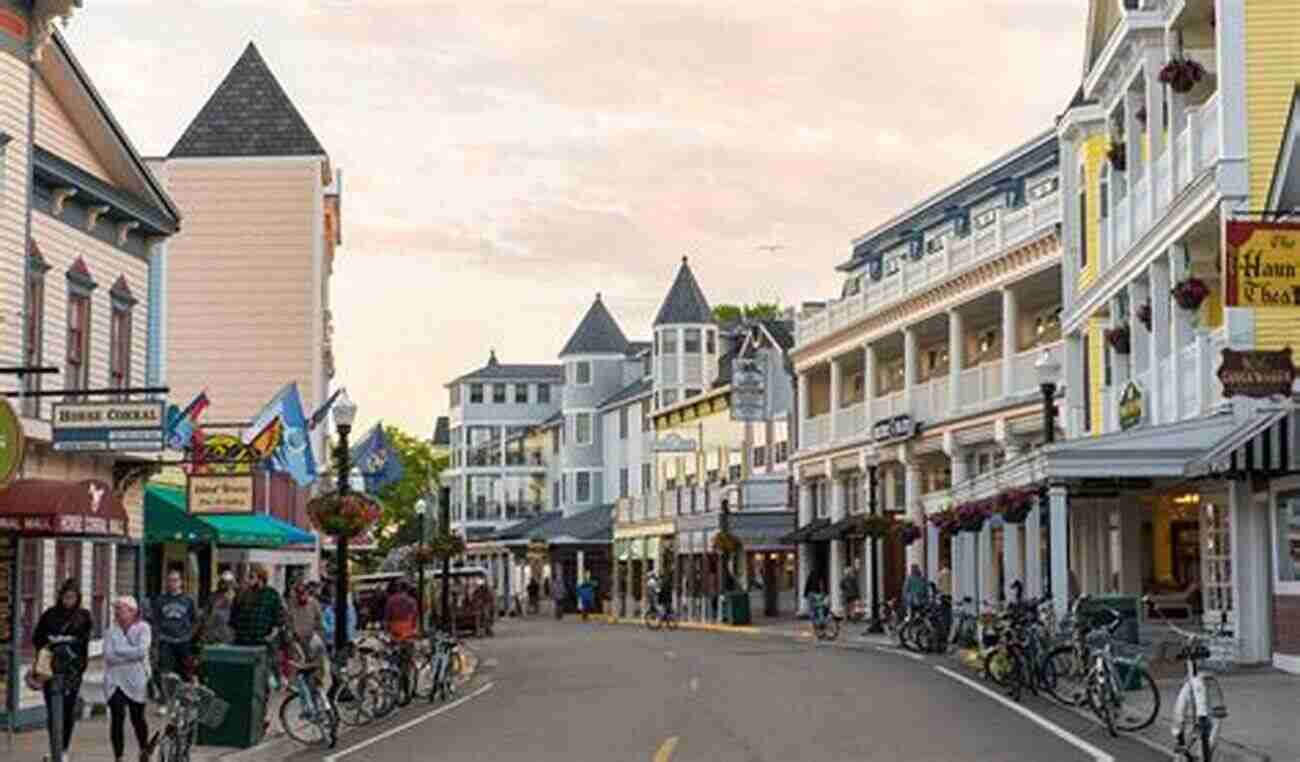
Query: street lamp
point(1049, 374)
point(345, 412)
point(876, 627)
point(421, 508)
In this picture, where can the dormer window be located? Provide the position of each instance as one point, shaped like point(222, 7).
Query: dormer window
point(692, 342)
point(711, 337)
point(892, 265)
point(668, 342)
point(853, 286)
point(934, 245)
point(582, 372)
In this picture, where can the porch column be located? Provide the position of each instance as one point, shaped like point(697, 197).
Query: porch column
point(837, 546)
point(804, 550)
point(835, 400)
point(909, 367)
point(582, 567)
point(1154, 105)
point(1137, 164)
point(1059, 511)
point(619, 591)
point(969, 565)
point(912, 506)
point(1158, 277)
point(802, 407)
point(956, 551)
point(1010, 341)
point(1011, 570)
point(987, 579)
point(956, 348)
point(868, 384)
point(932, 539)
point(1178, 163)
point(1252, 581)
point(1130, 548)
point(1181, 334)
point(1074, 423)
point(1105, 562)
point(1034, 551)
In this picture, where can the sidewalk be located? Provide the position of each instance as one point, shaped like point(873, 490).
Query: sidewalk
point(90, 739)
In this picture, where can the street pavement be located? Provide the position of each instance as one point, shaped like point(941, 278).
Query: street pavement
point(552, 692)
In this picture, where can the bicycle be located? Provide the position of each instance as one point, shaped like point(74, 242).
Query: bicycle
point(660, 616)
point(1200, 709)
point(1109, 679)
point(188, 706)
point(440, 668)
point(307, 714)
point(372, 687)
point(826, 626)
point(964, 631)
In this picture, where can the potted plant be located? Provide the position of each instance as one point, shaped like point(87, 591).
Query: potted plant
point(1144, 315)
point(726, 543)
point(908, 532)
point(1190, 292)
point(1118, 155)
point(1015, 505)
point(1181, 74)
point(971, 516)
point(945, 520)
point(444, 544)
point(343, 516)
point(1118, 339)
point(875, 526)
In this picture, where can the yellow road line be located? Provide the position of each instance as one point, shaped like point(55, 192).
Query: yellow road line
point(665, 753)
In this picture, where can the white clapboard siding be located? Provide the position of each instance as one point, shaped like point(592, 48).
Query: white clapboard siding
point(13, 200)
point(56, 133)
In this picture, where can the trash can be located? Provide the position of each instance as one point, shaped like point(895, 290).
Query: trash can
point(735, 608)
point(238, 676)
point(1128, 607)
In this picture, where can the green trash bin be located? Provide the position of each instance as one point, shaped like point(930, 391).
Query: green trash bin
point(238, 675)
point(735, 608)
point(1129, 608)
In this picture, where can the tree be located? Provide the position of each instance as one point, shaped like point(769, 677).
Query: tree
point(732, 313)
point(399, 525)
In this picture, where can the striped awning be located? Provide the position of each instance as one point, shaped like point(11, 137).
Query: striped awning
point(1268, 445)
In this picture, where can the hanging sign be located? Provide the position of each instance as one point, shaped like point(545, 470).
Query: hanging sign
point(12, 446)
point(1257, 373)
point(111, 426)
point(898, 428)
point(8, 614)
point(673, 442)
point(1263, 264)
point(749, 388)
point(220, 493)
point(1132, 406)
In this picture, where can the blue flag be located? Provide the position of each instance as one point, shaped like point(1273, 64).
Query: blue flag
point(279, 433)
point(379, 463)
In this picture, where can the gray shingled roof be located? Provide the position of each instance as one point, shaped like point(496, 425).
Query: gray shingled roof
point(635, 348)
point(597, 334)
point(594, 524)
point(249, 114)
point(496, 371)
point(685, 302)
point(629, 392)
point(525, 529)
point(442, 431)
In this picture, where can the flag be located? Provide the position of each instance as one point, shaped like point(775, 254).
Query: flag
point(279, 434)
point(379, 463)
point(182, 424)
point(318, 417)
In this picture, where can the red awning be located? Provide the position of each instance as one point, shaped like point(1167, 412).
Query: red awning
point(55, 507)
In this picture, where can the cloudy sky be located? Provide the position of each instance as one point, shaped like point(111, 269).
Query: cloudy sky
point(504, 162)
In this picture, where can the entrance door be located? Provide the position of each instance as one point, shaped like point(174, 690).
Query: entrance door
point(1216, 567)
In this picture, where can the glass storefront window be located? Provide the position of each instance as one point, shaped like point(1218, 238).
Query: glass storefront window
point(1288, 537)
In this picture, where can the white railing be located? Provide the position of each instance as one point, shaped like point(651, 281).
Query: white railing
point(1190, 404)
point(1163, 167)
point(1024, 376)
point(1207, 121)
point(817, 431)
point(851, 421)
point(913, 277)
point(887, 406)
point(980, 384)
point(1123, 227)
point(1142, 212)
point(1166, 377)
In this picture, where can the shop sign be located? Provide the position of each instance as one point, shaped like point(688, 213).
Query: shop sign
point(674, 443)
point(749, 388)
point(1263, 264)
point(1132, 406)
point(8, 611)
point(220, 493)
point(1257, 373)
point(108, 426)
point(12, 446)
point(893, 429)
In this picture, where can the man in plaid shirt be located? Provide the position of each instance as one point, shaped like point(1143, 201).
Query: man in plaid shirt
point(258, 611)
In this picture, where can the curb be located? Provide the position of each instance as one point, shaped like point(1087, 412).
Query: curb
point(681, 625)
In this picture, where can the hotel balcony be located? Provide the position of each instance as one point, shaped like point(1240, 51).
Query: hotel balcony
point(760, 493)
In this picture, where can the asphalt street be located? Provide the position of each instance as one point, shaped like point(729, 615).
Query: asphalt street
point(552, 692)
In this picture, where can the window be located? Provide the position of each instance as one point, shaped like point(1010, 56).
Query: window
point(733, 472)
point(1087, 384)
point(934, 245)
point(892, 264)
point(668, 342)
point(475, 393)
point(35, 327)
point(852, 286)
point(900, 489)
point(711, 336)
point(647, 477)
point(555, 494)
point(760, 456)
point(1103, 195)
point(937, 362)
point(102, 571)
point(582, 487)
point(77, 375)
point(521, 394)
point(119, 356)
point(1287, 531)
point(645, 414)
point(555, 440)
point(782, 452)
point(622, 423)
point(582, 428)
point(67, 560)
point(1083, 218)
point(692, 393)
point(692, 342)
point(29, 580)
point(499, 393)
point(582, 373)
point(453, 396)
point(646, 368)
point(543, 394)
point(622, 482)
point(669, 397)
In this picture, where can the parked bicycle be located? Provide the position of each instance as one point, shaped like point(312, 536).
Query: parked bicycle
point(1200, 709)
point(438, 669)
point(659, 616)
point(188, 706)
point(307, 714)
point(1118, 688)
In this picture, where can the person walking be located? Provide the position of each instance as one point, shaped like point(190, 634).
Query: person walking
point(945, 580)
point(560, 595)
point(586, 597)
point(216, 629)
point(126, 676)
point(327, 621)
point(64, 628)
point(255, 614)
point(177, 618)
point(401, 614)
point(849, 590)
point(916, 591)
point(534, 596)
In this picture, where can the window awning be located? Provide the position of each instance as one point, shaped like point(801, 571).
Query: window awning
point(256, 530)
point(807, 532)
point(167, 518)
point(53, 507)
point(1265, 445)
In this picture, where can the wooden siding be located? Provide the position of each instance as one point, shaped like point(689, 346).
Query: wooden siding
point(1094, 153)
point(61, 244)
point(57, 133)
point(1272, 72)
point(242, 301)
point(13, 207)
point(1095, 336)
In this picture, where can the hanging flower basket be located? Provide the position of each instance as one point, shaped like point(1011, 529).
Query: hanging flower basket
point(1015, 505)
point(444, 545)
point(875, 526)
point(1181, 74)
point(343, 516)
point(945, 521)
point(1141, 115)
point(971, 516)
point(1190, 292)
point(726, 543)
point(1118, 339)
point(1118, 155)
point(1144, 315)
point(907, 532)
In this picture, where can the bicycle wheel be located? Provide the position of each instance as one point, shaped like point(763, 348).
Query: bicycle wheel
point(996, 666)
point(1065, 675)
point(169, 746)
point(1015, 675)
point(1138, 705)
point(1100, 700)
point(350, 701)
point(670, 619)
point(300, 724)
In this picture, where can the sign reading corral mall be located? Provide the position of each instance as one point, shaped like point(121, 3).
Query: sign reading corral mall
point(225, 493)
point(115, 426)
point(1263, 264)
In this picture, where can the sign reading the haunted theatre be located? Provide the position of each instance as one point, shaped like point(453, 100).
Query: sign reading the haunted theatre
point(1263, 264)
point(1257, 373)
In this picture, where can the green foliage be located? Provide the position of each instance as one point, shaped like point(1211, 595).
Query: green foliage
point(420, 479)
point(732, 313)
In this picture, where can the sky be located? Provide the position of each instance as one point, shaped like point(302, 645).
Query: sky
point(503, 163)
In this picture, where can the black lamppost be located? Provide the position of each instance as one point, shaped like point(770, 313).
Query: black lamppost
point(444, 525)
point(877, 627)
point(421, 508)
point(1049, 373)
point(345, 412)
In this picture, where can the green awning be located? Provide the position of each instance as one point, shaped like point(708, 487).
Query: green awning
point(166, 518)
point(257, 530)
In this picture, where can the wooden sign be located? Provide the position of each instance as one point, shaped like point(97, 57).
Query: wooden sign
point(220, 493)
point(1132, 406)
point(12, 444)
point(1257, 373)
point(1263, 264)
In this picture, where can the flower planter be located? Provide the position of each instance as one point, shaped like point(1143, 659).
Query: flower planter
point(875, 527)
point(1015, 505)
point(908, 533)
point(1190, 293)
point(1118, 156)
point(971, 516)
point(1144, 315)
point(1118, 339)
point(343, 515)
point(726, 543)
point(1182, 74)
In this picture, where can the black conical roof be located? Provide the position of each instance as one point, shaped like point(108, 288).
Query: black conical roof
point(597, 334)
point(685, 302)
point(249, 114)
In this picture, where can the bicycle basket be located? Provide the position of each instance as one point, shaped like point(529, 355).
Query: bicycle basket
point(1214, 701)
point(1128, 665)
point(213, 712)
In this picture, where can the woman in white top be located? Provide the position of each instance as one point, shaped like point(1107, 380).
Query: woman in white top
point(126, 675)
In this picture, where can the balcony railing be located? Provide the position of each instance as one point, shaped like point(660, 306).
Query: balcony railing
point(1012, 228)
point(1191, 370)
